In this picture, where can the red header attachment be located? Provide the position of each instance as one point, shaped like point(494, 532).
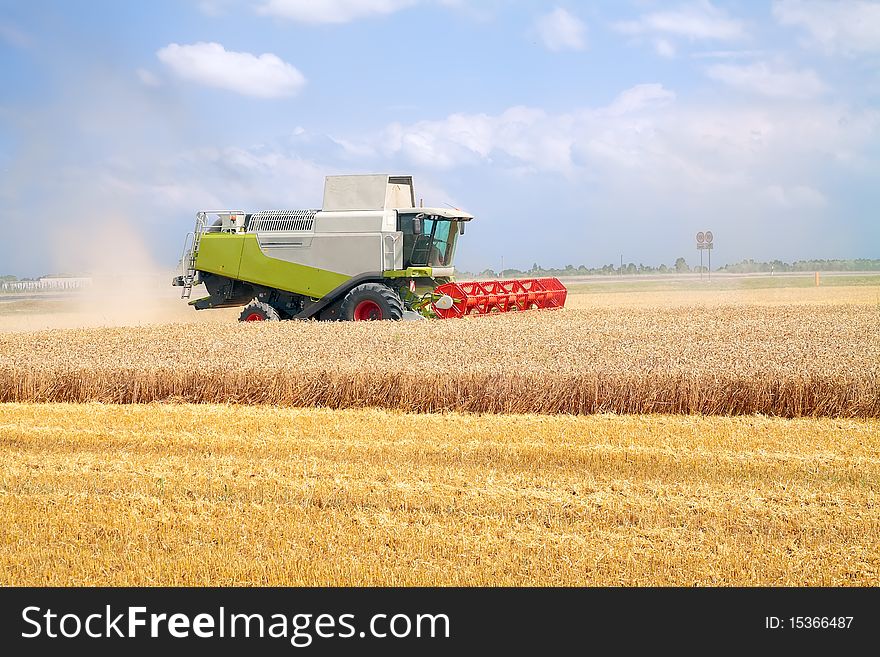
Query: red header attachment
point(486, 297)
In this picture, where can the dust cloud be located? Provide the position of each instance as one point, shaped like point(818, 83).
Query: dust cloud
point(129, 288)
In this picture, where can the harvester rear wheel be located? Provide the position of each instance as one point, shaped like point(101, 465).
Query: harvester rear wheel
point(371, 301)
point(258, 311)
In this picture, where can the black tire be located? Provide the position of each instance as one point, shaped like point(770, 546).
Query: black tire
point(258, 311)
point(371, 301)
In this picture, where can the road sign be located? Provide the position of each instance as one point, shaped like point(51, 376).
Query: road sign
point(704, 243)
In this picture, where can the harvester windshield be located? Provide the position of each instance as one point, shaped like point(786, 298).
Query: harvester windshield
point(433, 245)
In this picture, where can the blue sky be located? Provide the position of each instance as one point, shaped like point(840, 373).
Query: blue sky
point(574, 131)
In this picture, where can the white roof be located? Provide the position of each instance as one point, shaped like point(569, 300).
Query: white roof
point(446, 213)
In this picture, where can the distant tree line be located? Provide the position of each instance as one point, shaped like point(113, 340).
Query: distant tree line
point(750, 266)
point(680, 266)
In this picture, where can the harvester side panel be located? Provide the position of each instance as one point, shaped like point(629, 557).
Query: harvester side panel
point(348, 254)
point(343, 242)
point(257, 267)
point(217, 253)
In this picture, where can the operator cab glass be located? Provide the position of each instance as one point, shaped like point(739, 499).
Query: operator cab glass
point(434, 246)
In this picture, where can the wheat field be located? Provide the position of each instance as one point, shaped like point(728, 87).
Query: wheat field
point(789, 360)
point(167, 494)
point(535, 483)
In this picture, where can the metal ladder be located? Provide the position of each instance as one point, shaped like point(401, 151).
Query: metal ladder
point(190, 252)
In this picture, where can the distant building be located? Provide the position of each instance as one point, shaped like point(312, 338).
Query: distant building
point(47, 283)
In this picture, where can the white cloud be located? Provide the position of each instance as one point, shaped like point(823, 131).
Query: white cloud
point(266, 177)
point(560, 30)
point(520, 136)
point(640, 97)
point(519, 132)
point(210, 64)
point(148, 78)
point(330, 11)
point(664, 48)
point(846, 27)
point(256, 177)
point(696, 21)
point(760, 78)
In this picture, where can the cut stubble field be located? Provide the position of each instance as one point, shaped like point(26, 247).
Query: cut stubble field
point(176, 494)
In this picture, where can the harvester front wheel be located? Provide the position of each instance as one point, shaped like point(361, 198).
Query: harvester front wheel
point(371, 301)
point(258, 311)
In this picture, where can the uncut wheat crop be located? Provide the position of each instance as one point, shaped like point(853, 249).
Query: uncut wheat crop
point(785, 360)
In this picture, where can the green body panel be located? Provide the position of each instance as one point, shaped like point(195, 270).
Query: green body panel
point(220, 254)
point(239, 256)
point(411, 272)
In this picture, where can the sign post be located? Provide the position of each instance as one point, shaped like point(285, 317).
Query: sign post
point(704, 243)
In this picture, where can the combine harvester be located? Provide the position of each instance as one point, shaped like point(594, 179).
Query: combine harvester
point(368, 254)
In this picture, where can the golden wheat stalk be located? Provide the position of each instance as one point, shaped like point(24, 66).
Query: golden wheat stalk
point(787, 361)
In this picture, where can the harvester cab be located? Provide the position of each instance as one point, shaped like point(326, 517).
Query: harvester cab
point(368, 253)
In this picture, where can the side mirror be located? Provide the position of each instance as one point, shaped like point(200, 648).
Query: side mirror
point(417, 226)
point(461, 228)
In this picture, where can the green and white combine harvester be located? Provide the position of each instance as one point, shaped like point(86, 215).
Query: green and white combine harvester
point(368, 254)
